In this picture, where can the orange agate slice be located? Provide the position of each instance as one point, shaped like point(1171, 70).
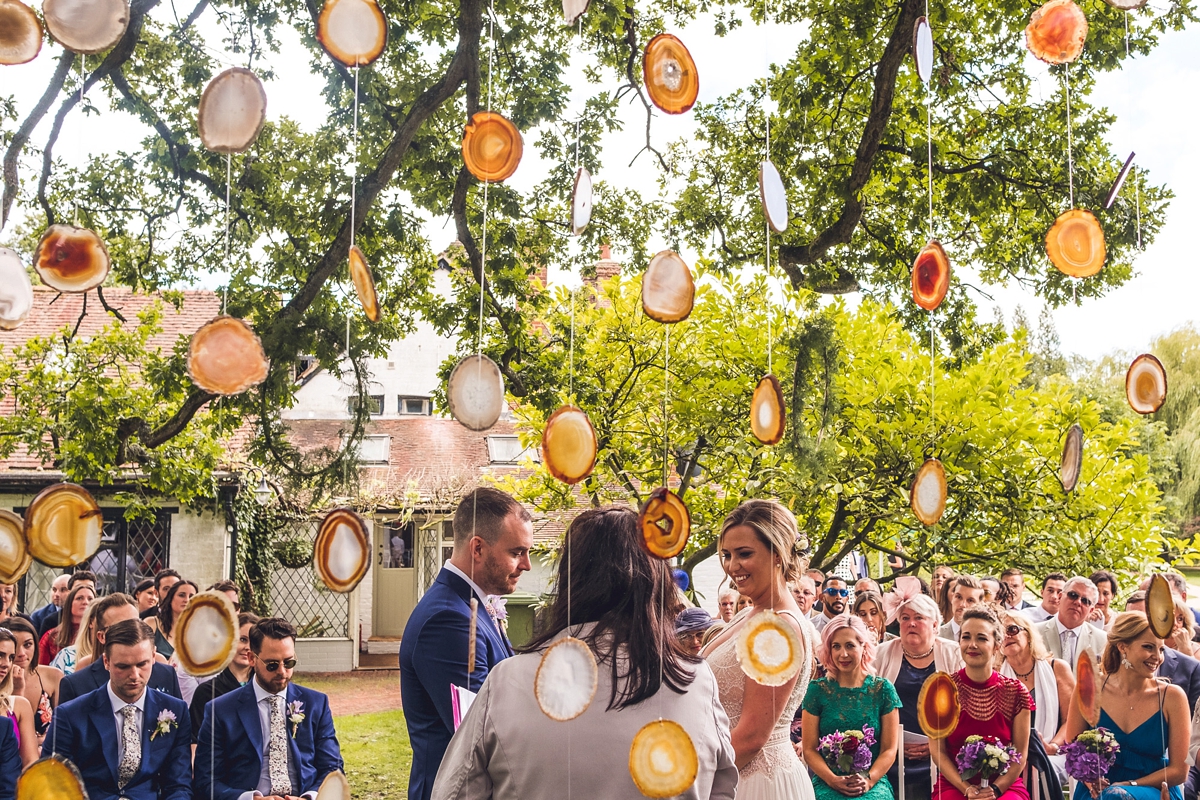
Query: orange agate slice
point(206, 634)
point(51, 778)
point(768, 416)
point(938, 706)
point(1075, 243)
point(353, 32)
point(226, 357)
point(930, 276)
point(1072, 458)
point(86, 26)
point(569, 445)
point(364, 283)
point(668, 290)
point(14, 552)
point(492, 147)
point(1146, 384)
point(62, 525)
point(342, 552)
point(232, 111)
point(665, 524)
point(769, 649)
point(928, 495)
point(20, 33)
point(71, 259)
point(662, 759)
point(1160, 606)
point(566, 679)
point(1087, 690)
point(1056, 32)
point(670, 74)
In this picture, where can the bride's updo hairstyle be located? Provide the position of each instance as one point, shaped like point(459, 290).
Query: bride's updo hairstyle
point(776, 528)
point(1127, 628)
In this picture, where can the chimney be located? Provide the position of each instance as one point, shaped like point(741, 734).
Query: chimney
point(606, 268)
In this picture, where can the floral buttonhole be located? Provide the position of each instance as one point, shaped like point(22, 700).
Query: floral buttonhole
point(165, 723)
point(295, 715)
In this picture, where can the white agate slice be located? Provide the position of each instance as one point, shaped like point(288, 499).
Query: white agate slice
point(16, 291)
point(773, 195)
point(475, 392)
point(86, 26)
point(232, 111)
point(566, 679)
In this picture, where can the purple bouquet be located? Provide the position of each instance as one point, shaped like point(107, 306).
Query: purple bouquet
point(986, 758)
point(1091, 755)
point(848, 752)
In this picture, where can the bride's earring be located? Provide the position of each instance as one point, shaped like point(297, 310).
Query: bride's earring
point(1125, 662)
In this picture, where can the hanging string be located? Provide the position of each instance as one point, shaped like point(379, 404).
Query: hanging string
point(483, 247)
point(929, 149)
point(767, 159)
point(1137, 195)
point(79, 148)
point(354, 163)
point(228, 266)
point(571, 354)
point(1070, 143)
point(666, 399)
point(1127, 34)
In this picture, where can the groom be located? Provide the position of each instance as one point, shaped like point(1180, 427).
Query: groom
point(492, 537)
point(129, 741)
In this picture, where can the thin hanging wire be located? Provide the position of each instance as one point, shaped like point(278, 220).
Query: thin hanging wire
point(1127, 34)
point(354, 163)
point(483, 246)
point(1137, 195)
point(1070, 141)
point(571, 354)
point(79, 135)
point(766, 160)
point(228, 266)
point(666, 400)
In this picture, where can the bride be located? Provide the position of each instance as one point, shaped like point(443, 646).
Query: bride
point(760, 554)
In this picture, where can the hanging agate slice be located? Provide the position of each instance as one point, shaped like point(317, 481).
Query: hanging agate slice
point(665, 524)
point(569, 445)
point(769, 649)
point(566, 679)
point(492, 146)
point(1056, 32)
point(938, 706)
point(63, 525)
point(1160, 606)
point(1119, 182)
point(226, 357)
point(334, 787)
point(14, 553)
point(768, 416)
point(574, 9)
point(1127, 5)
point(670, 74)
point(475, 392)
point(667, 288)
point(1087, 689)
point(1072, 459)
point(353, 32)
point(928, 495)
point(662, 759)
point(773, 196)
point(206, 634)
point(233, 109)
point(16, 292)
point(930, 276)
point(86, 26)
point(51, 778)
point(923, 49)
point(364, 283)
point(20, 33)
point(342, 553)
point(1146, 384)
point(71, 259)
point(1075, 243)
point(581, 201)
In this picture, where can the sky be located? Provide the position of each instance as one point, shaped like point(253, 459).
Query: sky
point(1152, 98)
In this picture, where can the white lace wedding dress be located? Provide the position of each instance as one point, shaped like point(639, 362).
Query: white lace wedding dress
point(775, 772)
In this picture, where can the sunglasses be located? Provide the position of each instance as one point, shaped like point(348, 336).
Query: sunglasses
point(838, 592)
point(1077, 597)
point(272, 666)
point(1013, 630)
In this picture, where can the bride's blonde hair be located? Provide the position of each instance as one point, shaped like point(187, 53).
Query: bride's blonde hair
point(776, 528)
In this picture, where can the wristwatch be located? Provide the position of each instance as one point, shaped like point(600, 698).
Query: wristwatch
point(1133, 783)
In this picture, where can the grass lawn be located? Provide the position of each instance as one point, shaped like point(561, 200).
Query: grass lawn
point(377, 754)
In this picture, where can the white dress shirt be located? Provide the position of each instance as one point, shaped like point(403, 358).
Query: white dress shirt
point(263, 703)
point(139, 717)
point(474, 586)
point(1069, 657)
point(1036, 614)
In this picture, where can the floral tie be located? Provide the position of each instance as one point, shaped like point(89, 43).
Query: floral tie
point(131, 758)
point(281, 783)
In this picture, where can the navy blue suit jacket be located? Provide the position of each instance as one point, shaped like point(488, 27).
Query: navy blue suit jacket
point(94, 676)
point(236, 750)
point(1184, 672)
point(40, 617)
point(85, 731)
point(10, 762)
point(433, 654)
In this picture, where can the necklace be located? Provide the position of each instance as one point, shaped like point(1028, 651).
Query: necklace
point(1025, 675)
point(911, 657)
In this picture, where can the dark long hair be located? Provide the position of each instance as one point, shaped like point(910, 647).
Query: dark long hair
point(629, 594)
point(166, 617)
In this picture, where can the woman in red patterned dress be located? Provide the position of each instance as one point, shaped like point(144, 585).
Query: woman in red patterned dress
point(992, 705)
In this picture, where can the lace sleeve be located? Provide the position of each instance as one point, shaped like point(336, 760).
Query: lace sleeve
point(814, 698)
point(889, 700)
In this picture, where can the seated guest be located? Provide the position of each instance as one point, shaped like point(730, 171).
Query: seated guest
point(58, 592)
point(965, 592)
point(1183, 630)
point(1014, 579)
point(10, 762)
point(619, 594)
point(80, 577)
point(744, 602)
point(169, 608)
point(37, 684)
point(727, 603)
point(834, 594)
point(15, 711)
point(113, 608)
point(164, 579)
point(63, 634)
point(1052, 592)
point(868, 606)
point(939, 591)
point(1102, 615)
point(805, 592)
point(145, 596)
point(690, 626)
point(1051, 683)
point(271, 736)
point(235, 676)
point(126, 740)
point(1068, 634)
point(84, 647)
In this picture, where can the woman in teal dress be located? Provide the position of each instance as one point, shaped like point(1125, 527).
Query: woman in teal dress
point(1150, 720)
point(850, 699)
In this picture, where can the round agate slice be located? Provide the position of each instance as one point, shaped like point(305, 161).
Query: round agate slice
point(1160, 606)
point(491, 147)
point(20, 33)
point(581, 201)
point(86, 26)
point(14, 553)
point(566, 679)
point(364, 283)
point(1072, 458)
point(1056, 32)
point(206, 634)
point(1075, 243)
point(669, 74)
point(769, 649)
point(334, 787)
point(668, 290)
point(71, 259)
point(938, 706)
point(928, 496)
point(475, 392)
point(923, 49)
point(662, 759)
point(63, 525)
point(665, 523)
point(1146, 384)
point(225, 357)
point(931, 276)
point(768, 416)
point(569, 445)
point(773, 195)
point(353, 32)
point(342, 552)
point(51, 778)
point(233, 109)
point(16, 291)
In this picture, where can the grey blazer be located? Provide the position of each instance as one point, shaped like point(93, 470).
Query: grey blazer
point(1090, 638)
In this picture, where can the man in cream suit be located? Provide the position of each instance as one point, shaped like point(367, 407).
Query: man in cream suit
point(1067, 634)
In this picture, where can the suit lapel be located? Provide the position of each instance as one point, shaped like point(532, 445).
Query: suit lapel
point(104, 723)
point(248, 714)
point(293, 694)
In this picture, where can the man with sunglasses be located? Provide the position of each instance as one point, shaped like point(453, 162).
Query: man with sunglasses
point(1067, 634)
point(270, 738)
point(834, 599)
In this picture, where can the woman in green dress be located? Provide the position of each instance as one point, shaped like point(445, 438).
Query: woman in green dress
point(850, 699)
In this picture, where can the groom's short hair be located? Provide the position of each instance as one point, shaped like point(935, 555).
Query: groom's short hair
point(482, 513)
point(128, 632)
point(270, 628)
